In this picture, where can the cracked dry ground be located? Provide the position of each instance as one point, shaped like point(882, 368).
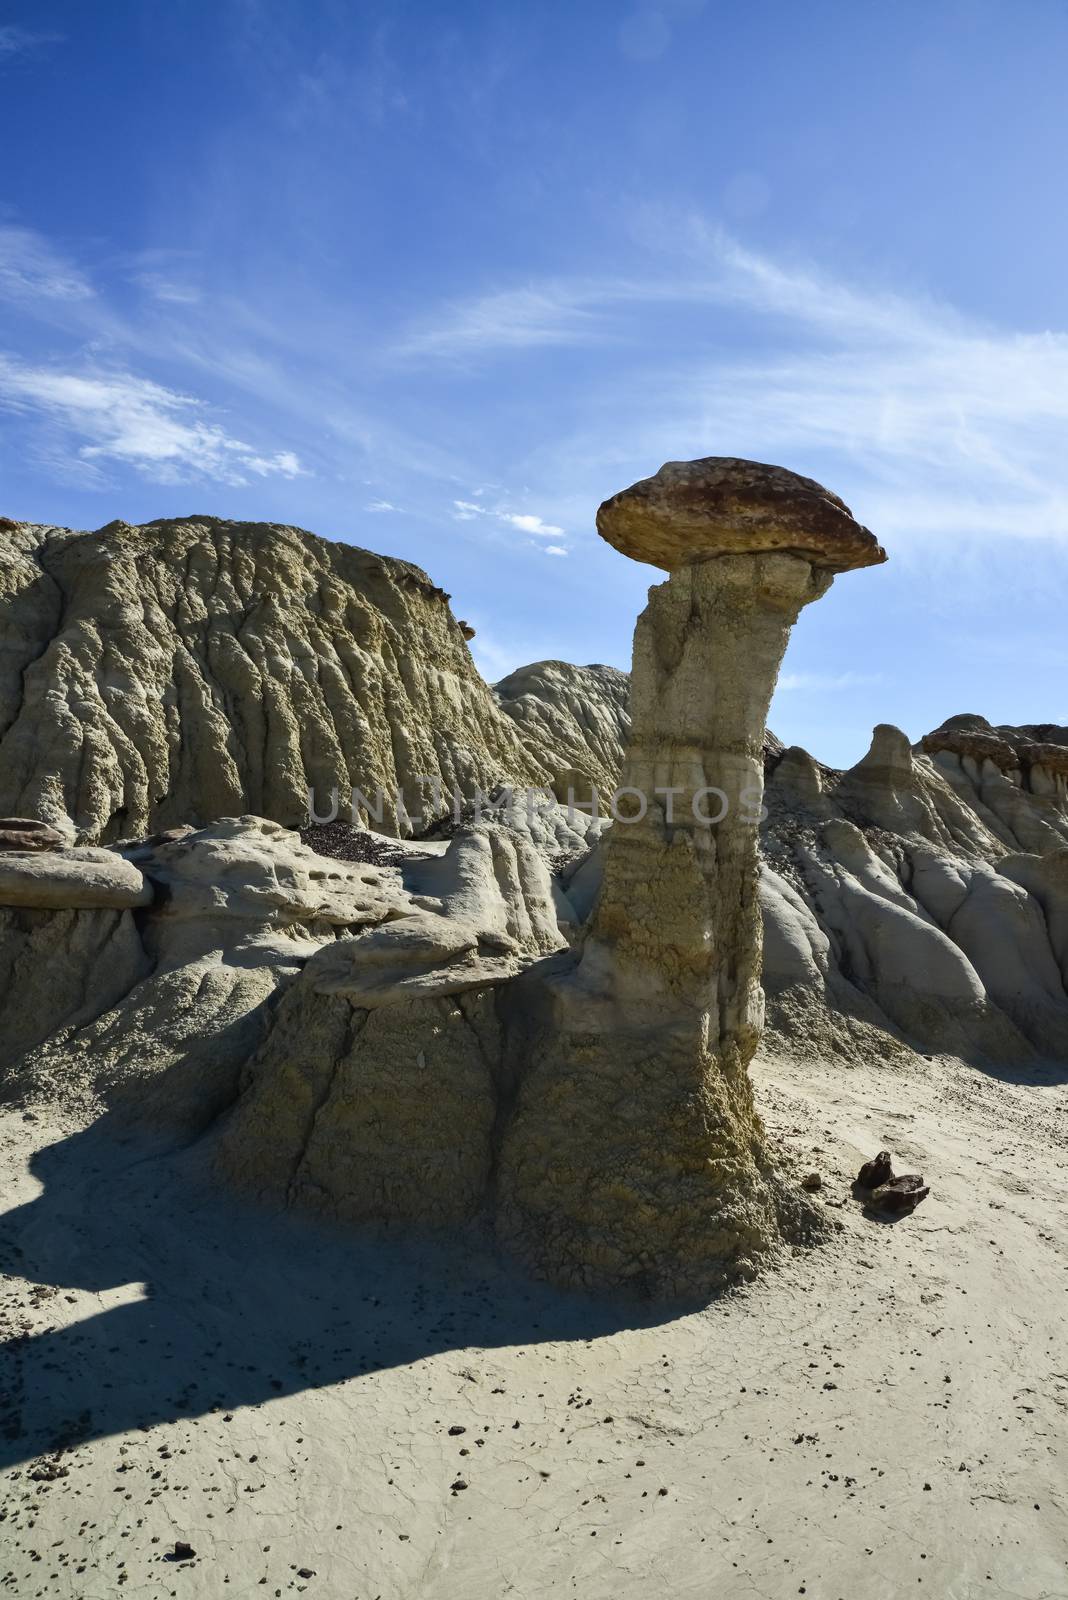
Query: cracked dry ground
point(318, 1414)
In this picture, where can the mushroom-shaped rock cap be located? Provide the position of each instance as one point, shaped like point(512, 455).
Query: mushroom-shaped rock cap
point(691, 510)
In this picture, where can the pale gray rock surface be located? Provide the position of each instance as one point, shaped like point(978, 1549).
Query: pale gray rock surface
point(75, 880)
point(935, 873)
point(577, 718)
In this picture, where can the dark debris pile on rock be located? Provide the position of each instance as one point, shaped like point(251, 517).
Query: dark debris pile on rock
point(344, 842)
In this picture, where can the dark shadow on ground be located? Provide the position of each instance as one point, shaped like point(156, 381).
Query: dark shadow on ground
point(1042, 1073)
point(240, 1306)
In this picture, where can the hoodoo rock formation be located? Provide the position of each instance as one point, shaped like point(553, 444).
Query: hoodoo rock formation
point(532, 1019)
point(635, 1158)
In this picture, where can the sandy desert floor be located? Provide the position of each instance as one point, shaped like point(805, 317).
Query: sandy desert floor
point(376, 1421)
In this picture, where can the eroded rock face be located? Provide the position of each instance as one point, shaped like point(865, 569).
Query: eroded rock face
point(377, 1095)
point(383, 1116)
point(195, 668)
point(574, 719)
point(892, 899)
point(159, 1015)
point(157, 1012)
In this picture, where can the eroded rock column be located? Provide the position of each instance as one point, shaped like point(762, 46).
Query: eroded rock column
point(635, 1158)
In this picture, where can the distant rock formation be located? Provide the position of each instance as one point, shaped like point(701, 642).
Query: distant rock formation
point(917, 898)
point(575, 720)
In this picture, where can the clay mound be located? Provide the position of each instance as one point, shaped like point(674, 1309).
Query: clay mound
point(197, 668)
point(918, 899)
point(145, 978)
point(574, 719)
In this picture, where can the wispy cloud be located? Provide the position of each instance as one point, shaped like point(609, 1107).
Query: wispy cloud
point(16, 41)
point(380, 505)
point(167, 274)
point(119, 416)
point(944, 427)
point(171, 291)
point(522, 521)
point(707, 268)
point(30, 269)
point(514, 319)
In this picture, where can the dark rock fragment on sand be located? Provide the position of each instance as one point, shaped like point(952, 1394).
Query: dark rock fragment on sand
point(873, 1174)
point(900, 1194)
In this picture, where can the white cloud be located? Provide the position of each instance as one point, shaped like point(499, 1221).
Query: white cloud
point(555, 550)
point(121, 417)
point(380, 505)
point(31, 270)
point(522, 521)
point(526, 523)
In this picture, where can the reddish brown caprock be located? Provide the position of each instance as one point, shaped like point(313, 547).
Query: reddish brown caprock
point(690, 511)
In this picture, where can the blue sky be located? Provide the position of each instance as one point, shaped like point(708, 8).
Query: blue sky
point(438, 278)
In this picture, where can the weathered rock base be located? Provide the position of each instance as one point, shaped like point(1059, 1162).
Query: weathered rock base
point(382, 1118)
point(635, 1162)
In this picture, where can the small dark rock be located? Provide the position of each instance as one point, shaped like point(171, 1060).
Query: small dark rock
point(181, 1551)
point(900, 1194)
point(170, 835)
point(873, 1174)
point(812, 1181)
